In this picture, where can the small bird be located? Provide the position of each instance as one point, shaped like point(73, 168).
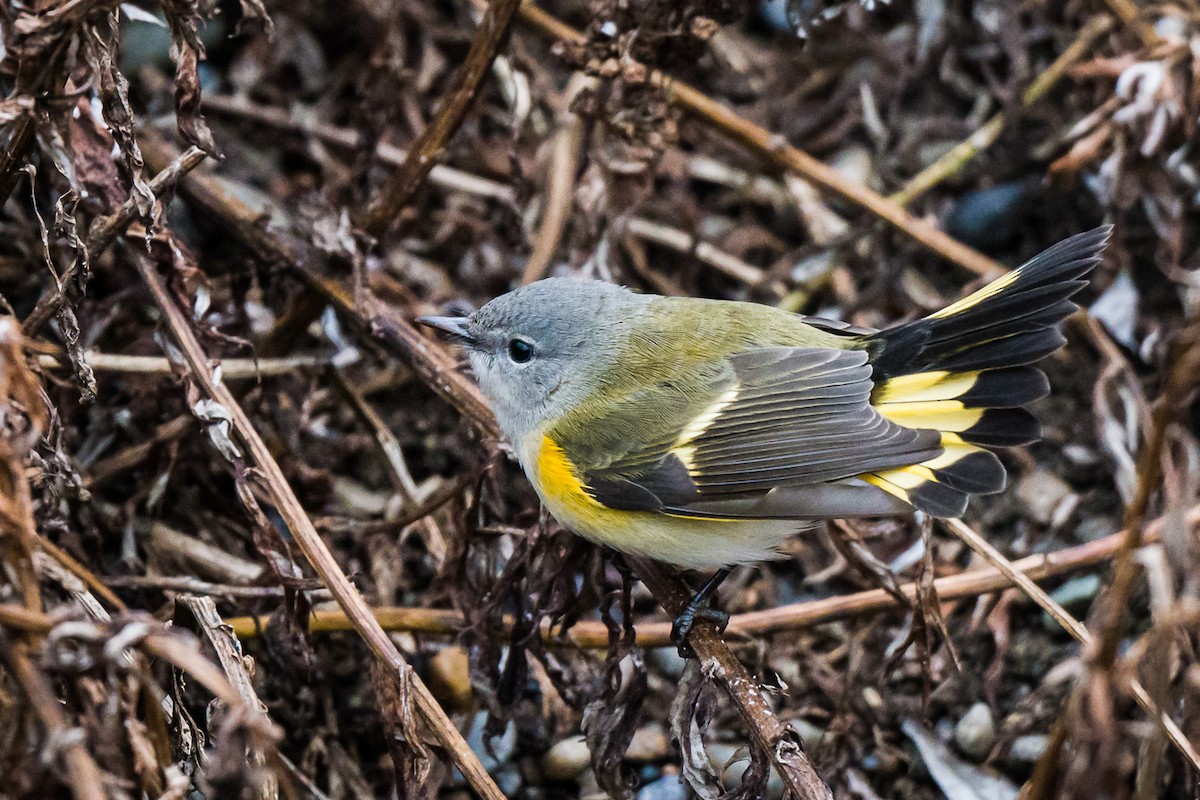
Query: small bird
point(704, 433)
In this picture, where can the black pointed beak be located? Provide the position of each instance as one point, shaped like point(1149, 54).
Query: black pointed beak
point(455, 326)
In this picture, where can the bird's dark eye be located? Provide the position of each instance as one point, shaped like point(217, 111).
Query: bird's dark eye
point(520, 350)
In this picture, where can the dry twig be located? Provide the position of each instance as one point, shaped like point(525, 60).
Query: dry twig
point(314, 548)
point(777, 151)
point(427, 149)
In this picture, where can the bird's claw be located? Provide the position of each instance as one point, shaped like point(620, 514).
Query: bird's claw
point(697, 610)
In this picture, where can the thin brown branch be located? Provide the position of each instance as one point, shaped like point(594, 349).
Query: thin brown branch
point(310, 542)
point(102, 233)
point(427, 149)
point(775, 738)
point(230, 657)
point(441, 175)
point(560, 183)
point(793, 617)
point(89, 578)
point(231, 368)
point(1129, 14)
point(775, 150)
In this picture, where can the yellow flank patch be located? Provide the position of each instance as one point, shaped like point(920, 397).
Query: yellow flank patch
point(925, 386)
point(975, 298)
point(563, 490)
point(938, 415)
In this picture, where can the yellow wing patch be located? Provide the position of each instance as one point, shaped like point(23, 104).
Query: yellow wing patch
point(975, 298)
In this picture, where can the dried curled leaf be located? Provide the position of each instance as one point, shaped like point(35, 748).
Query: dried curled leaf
point(690, 712)
point(114, 98)
point(187, 51)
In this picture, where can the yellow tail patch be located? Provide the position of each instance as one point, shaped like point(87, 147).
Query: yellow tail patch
point(925, 386)
point(938, 415)
point(975, 298)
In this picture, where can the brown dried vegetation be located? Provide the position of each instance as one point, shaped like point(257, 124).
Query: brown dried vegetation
point(259, 538)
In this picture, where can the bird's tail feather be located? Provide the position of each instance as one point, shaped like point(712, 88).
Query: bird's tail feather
point(965, 371)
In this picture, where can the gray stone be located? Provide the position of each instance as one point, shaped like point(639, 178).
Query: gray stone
point(975, 732)
point(668, 787)
point(1028, 749)
point(567, 759)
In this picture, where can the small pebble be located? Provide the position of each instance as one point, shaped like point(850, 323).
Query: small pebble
point(449, 678)
point(1074, 595)
point(988, 217)
point(508, 780)
point(1028, 749)
point(502, 746)
point(668, 787)
point(1077, 591)
point(975, 733)
point(667, 661)
point(567, 759)
point(1041, 493)
point(649, 743)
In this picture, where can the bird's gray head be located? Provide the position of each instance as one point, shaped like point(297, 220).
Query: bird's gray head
point(529, 348)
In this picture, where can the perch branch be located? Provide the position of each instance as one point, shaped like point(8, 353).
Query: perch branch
point(792, 617)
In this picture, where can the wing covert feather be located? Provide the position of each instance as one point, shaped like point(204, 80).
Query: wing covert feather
point(785, 416)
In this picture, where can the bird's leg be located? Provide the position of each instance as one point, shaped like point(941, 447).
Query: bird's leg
point(698, 608)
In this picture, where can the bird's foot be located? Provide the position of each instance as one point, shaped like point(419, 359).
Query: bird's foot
point(696, 610)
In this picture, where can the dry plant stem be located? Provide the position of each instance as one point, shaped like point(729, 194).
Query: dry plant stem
point(440, 175)
point(14, 156)
point(1178, 389)
point(792, 617)
point(229, 655)
point(314, 548)
point(1129, 14)
point(427, 149)
point(83, 775)
point(1071, 625)
point(958, 156)
point(560, 188)
point(104, 230)
point(231, 368)
point(131, 456)
point(80, 571)
point(719, 663)
point(777, 151)
point(684, 242)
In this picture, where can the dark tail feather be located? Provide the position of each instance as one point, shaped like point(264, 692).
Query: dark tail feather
point(964, 371)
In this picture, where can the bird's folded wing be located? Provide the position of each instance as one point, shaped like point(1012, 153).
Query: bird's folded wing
point(771, 417)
